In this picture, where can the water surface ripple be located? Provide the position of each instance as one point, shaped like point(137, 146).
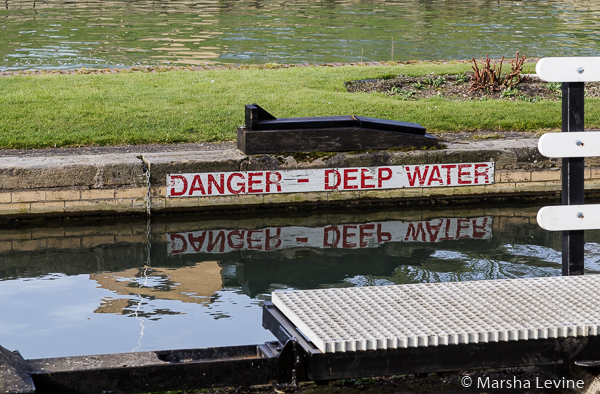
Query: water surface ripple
point(42, 34)
point(80, 288)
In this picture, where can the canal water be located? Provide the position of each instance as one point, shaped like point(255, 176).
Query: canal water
point(38, 34)
point(91, 287)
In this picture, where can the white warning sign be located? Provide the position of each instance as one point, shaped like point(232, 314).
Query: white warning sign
point(329, 179)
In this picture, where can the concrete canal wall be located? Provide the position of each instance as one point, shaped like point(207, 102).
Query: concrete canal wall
point(108, 184)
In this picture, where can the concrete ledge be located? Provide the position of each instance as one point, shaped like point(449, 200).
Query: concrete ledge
point(109, 184)
point(589, 376)
point(161, 164)
point(14, 377)
point(84, 171)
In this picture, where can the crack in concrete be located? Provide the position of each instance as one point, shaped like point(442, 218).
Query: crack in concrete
point(241, 164)
point(99, 177)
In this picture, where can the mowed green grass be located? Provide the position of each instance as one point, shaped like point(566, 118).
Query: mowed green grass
point(185, 106)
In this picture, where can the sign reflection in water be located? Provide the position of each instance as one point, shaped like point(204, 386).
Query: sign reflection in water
point(345, 236)
point(72, 289)
point(41, 34)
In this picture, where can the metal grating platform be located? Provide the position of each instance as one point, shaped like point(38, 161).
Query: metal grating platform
point(432, 314)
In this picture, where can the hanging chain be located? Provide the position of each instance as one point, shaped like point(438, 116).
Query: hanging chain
point(147, 264)
point(149, 193)
point(148, 213)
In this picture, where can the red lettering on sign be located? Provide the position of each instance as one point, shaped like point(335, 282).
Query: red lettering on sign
point(334, 233)
point(273, 178)
point(447, 235)
point(349, 236)
point(337, 179)
point(346, 234)
point(364, 234)
point(219, 186)
point(382, 236)
point(197, 185)
point(252, 182)
point(481, 170)
point(197, 242)
point(240, 236)
point(461, 174)
point(411, 231)
point(269, 238)
point(435, 176)
point(462, 224)
point(348, 178)
point(250, 240)
point(448, 167)
point(241, 185)
point(476, 228)
point(381, 177)
point(365, 176)
point(218, 240)
point(174, 238)
point(417, 175)
point(353, 178)
point(433, 231)
point(183, 190)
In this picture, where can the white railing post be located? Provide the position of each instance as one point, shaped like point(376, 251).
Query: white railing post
point(572, 218)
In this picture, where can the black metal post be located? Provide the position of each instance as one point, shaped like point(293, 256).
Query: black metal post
point(572, 177)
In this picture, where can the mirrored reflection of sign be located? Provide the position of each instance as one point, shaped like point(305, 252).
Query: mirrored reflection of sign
point(343, 236)
point(329, 179)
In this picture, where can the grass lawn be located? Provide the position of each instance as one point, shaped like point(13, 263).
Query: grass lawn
point(184, 106)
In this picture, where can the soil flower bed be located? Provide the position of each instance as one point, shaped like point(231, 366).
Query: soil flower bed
point(459, 87)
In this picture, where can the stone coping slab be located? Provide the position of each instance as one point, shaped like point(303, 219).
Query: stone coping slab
point(108, 183)
point(125, 169)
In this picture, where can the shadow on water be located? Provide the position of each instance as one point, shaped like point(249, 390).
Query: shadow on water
point(89, 287)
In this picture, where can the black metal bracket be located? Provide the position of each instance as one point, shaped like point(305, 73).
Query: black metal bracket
point(254, 113)
point(573, 177)
point(286, 332)
point(588, 363)
point(264, 133)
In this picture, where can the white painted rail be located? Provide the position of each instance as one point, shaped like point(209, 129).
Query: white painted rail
point(451, 313)
point(569, 69)
point(569, 217)
point(573, 144)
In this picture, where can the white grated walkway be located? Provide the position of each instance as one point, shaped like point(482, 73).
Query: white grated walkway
point(432, 314)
